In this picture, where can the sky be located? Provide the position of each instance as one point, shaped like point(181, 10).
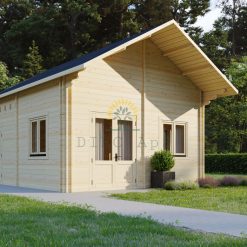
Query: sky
point(207, 21)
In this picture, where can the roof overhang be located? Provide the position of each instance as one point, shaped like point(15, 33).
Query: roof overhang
point(193, 62)
point(176, 45)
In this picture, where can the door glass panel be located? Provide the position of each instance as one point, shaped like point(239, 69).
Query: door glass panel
point(34, 137)
point(124, 140)
point(167, 129)
point(103, 139)
point(180, 139)
point(43, 136)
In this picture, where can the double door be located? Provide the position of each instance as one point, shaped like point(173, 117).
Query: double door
point(114, 151)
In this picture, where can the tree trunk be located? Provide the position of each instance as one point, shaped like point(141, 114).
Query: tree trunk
point(234, 28)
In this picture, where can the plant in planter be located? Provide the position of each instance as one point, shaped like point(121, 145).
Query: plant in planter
point(161, 162)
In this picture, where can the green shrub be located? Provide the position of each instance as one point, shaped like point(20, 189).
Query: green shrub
point(243, 182)
point(188, 185)
point(226, 163)
point(172, 185)
point(162, 161)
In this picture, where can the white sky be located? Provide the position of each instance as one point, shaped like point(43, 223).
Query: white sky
point(207, 21)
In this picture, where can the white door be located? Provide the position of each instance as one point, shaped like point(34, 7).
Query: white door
point(114, 152)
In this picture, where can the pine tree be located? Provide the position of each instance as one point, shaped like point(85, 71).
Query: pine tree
point(151, 13)
point(118, 21)
point(5, 80)
point(234, 21)
point(32, 63)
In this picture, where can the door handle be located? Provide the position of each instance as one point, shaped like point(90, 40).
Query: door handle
point(117, 156)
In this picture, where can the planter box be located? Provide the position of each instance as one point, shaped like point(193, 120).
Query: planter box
point(158, 179)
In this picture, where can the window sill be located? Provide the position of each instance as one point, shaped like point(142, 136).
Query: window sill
point(38, 157)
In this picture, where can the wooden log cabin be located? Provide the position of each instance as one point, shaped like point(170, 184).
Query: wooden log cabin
point(94, 122)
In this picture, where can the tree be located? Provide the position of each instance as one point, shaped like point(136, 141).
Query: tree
point(151, 13)
point(186, 12)
point(215, 44)
point(5, 80)
point(155, 12)
point(62, 29)
point(238, 33)
point(235, 13)
point(80, 19)
point(226, 118)
point(32, 63)
point(118, 21)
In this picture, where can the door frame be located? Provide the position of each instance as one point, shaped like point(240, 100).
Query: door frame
point(132, 163)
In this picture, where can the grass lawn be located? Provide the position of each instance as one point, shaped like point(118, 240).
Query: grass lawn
point(217, 176)
point(25, 222)
point(225, 199)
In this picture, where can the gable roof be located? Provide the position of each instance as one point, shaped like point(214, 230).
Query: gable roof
point(172, 41)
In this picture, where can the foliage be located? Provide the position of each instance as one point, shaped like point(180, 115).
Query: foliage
point(25, 222)
point(118, 21)
point(226, 45)
point(226, 118)
point(208, 182)
point(32, 63)
point(187, 185)
point(162, 160)
point(61, 29)
point(64, 30)
point(5, 80)
point(230, 181)
point(215, 44)
point(243, 182)
point(224, 199)
point(211, 182)
point(151, 13)
point(226, 163)
point(186, 12)
point(235, 13)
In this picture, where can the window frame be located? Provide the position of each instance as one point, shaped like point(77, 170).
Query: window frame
point(173, 138)
point(38, 154)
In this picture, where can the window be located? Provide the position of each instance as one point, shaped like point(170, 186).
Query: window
point(34, 137)
point(38, 137)
point(124, 140)
point(180, 140)
point(103, 139)
point(42, 131)
point(174, 138)
point(167, 144)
